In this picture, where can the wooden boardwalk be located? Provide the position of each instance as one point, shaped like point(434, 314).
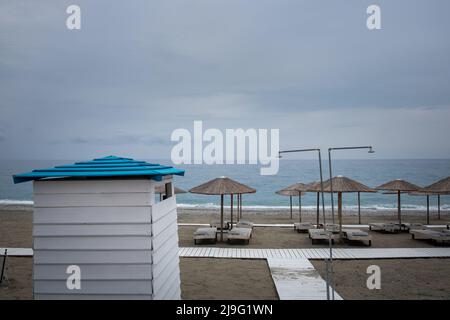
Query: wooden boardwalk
point(320, 253)
point(297, 279)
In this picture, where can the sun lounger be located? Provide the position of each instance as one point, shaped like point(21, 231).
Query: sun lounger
point(333, 227)
point(303, 226)
point(436, 236)
point(216, 224)
point(321, 234)
point(357, 235)
point(244, 224)
point(385, 226)
point(414, 226)
point(242, 234)
point(202, 234)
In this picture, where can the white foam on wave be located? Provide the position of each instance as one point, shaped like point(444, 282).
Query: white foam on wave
point(8, 202)
point(381, 207)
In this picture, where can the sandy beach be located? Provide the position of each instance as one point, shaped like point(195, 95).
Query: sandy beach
point(202, 276)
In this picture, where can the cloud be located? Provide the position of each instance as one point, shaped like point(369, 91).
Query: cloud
point(135, 72)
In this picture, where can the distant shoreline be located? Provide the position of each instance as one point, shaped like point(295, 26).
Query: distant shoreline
point(27, 206)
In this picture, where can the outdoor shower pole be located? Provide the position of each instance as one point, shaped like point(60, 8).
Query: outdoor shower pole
point(331, 174)
point(323, 208)
point(331, 186)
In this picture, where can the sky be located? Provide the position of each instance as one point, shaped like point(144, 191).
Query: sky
point(138, 70)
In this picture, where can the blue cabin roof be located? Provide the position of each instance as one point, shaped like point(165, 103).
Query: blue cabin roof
point(110, 166)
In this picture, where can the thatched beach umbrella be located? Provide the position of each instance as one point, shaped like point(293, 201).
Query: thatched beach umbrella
point(222, 186)
point(441, 187)
point(300, 188)
point(398, 185)
point(289, 191)
point(162, 191)
point(341, 185)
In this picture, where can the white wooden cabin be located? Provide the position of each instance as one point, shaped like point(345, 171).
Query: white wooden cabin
point(124, 242)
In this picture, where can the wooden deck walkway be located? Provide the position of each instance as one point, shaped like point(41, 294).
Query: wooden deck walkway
point(320, 253)
point(297, 279)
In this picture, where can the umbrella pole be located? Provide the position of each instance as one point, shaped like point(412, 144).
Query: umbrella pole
point(238, 208)
point(231, 205)
point(439, 206)
point(359, 207)
point(428, 209)
point(318, 210)
point(240, 200)
point(221, 217)
point(340, 213)
point(290, 199)
point(300, 207)
point(399, 209)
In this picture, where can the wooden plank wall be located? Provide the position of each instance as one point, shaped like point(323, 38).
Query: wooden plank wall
point(105, 227)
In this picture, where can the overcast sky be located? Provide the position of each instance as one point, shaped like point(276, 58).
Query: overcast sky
point(137, 70)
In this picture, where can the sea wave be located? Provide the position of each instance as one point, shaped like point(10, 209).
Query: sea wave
point(4, 203)
point(8, 202)
point(380, 207)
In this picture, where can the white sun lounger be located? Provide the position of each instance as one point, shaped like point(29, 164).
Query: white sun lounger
point(414, 226)
point(303, 226)
point(333, 227)
point(436, 236)
point(321, 234)
point(384, 226)
point(357, 235)
point(202, 234)
point(216, 224)
point(244, 224)
point(243, 234)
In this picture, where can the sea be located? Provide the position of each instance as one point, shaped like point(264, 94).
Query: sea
point(369, 172)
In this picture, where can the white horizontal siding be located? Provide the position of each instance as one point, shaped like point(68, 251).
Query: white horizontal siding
point(166, 278)
point(174, 293)
point(88, 215)
point(92, 243)
point(166, 262)
point(95, 272)
point(160, 225)
point(105, 227)
point(92, 200)
point(165, 292)
point(160, 209)
point(67, 257)
point(93, 186)
point(94, 287)
point(92, 230)
point(171, 232)
point(158, 255)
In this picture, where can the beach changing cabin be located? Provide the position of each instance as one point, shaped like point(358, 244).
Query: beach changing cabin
point(100, 233)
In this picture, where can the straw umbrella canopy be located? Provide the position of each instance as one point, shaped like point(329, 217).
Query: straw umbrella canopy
point(291, 191)
point(341, 185)
point(222, 186)
point(162, 191)
point(399, 186)
point(441, 187)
